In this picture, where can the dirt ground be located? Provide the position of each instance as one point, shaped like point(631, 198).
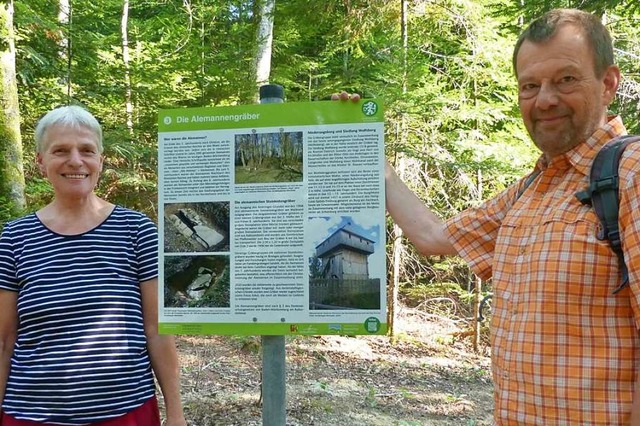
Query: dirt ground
point(423, 377)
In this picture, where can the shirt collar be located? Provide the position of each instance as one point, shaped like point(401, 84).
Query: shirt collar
point(581, 157)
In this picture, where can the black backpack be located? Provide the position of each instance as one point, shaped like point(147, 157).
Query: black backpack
point(602, 195)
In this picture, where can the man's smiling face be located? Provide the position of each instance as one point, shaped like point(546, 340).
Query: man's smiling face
point(561, 98)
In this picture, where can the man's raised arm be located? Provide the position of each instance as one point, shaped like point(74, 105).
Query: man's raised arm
point(423, 228)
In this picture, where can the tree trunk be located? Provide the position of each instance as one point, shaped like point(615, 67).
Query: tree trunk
point(126, 59)
point(11, 171)
point(478, 289)
point(64, 19)
point(264, 40)
point(398, 246)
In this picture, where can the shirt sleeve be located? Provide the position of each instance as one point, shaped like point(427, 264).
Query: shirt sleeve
point(474, 231)
point(147, 249)
point(8, 280)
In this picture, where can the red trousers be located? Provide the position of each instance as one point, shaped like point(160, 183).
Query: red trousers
point(145, 415)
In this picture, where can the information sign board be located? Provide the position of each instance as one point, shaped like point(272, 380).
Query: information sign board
point(272, 219)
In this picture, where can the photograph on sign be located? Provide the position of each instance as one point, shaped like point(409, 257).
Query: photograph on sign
point(340, 277)
point(194, 227)
point(196, 281)
point(268, 157)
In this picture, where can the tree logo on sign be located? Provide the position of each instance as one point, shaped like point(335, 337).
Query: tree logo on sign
point(372, 325)
point(369, 108)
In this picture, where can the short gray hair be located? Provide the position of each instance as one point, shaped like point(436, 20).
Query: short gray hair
point(71, 116)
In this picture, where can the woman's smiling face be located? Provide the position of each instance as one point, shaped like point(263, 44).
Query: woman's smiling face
point(71, 160)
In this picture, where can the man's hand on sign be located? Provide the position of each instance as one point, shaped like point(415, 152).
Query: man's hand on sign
point(344, 96)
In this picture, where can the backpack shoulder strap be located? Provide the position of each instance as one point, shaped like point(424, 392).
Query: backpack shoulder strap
point(527, 182)
point(602, 194)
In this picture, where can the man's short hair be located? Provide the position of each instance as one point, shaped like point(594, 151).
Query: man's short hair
point(543, 28)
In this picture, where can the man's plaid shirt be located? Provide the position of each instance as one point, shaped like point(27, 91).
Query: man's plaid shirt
point(565, 350)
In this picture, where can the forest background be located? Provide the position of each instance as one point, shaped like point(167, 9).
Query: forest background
point(442, 67)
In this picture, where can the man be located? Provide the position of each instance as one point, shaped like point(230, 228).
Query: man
point(565, 349)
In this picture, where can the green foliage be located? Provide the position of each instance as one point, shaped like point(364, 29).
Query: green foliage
point(38, 192)
point(6, 211)
point(531, 9)
point(463, 140)
point(623, 28)
point(452, 114)
point(179, 57)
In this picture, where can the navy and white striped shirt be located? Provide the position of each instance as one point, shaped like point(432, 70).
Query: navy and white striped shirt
point(81, 354)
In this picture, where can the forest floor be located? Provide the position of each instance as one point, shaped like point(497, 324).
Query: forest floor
point(423, 377)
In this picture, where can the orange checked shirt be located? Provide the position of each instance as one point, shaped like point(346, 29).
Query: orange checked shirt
point(565, 350)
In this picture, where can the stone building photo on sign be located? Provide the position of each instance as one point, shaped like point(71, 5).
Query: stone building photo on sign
point(339, 270)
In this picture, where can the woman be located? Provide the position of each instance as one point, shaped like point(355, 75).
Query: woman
point(79, 340)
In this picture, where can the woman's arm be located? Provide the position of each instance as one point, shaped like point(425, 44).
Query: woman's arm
point(163, 355)
point(8, 332)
